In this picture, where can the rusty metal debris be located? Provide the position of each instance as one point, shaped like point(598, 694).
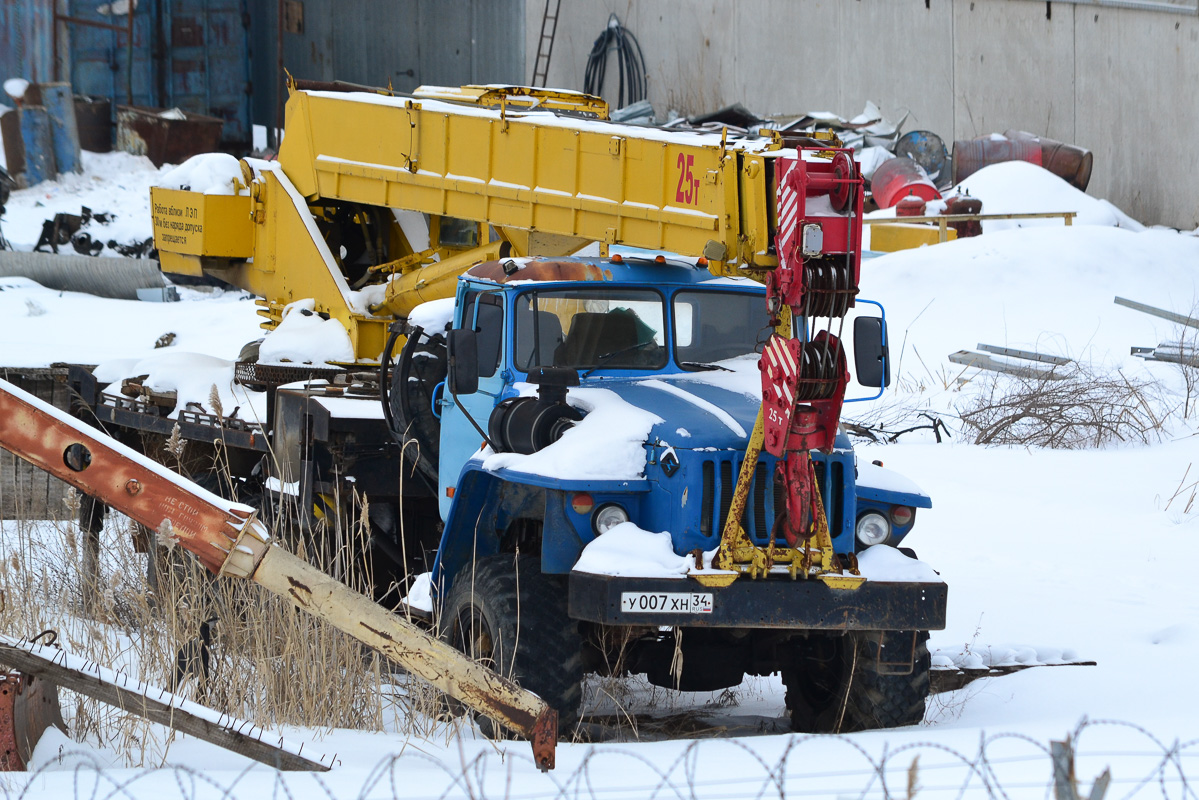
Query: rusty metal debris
point(28, 706)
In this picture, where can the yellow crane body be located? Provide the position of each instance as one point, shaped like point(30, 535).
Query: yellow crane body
point(532, 172)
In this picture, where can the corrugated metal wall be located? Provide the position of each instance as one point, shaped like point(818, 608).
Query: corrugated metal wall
point(409, 42)
point(220, 56)
point(26, 41)
point(188, 54)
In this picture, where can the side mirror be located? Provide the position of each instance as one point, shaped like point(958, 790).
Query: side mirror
point(462, 373)
point(871, 357)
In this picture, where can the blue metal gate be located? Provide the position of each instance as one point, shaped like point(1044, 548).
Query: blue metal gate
point(188, 54)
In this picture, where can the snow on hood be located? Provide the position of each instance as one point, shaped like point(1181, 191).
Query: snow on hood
point(887, 480)
point(608, 444)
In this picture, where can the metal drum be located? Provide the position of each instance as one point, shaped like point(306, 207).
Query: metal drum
point(1069, 162)
point(971, 155)
point(928, 150)
point(899, 177)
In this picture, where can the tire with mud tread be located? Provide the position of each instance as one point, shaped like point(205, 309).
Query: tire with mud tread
point(508, 615)
point(841, 673)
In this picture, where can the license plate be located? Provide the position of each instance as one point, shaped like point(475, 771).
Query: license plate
point(665, 603)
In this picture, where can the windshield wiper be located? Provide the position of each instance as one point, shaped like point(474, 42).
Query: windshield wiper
point(703, 366)
point(606, 357)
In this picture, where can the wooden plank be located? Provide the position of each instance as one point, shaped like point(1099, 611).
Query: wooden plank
point(951, 679)
point(1180, 319)
point(1028, 355)
point(154, 704)
point(968, 358)
point(1068, 216)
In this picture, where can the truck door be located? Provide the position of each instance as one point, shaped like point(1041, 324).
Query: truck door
point(484, 311)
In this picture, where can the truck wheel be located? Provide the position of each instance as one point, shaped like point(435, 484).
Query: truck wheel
point(505, 613)
point(890, 701)
point(829, 690)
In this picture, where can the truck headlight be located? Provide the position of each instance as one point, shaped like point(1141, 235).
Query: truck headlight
point(873, 528)
point(607, 517)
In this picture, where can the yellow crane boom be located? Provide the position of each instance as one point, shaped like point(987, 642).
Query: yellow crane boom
point(541, 168)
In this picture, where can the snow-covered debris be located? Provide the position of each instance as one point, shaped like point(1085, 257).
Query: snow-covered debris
point(871, 158)
point(303, 337)
point(988, 656)
point(192, 377)
point(207, 173)
point(115, 186)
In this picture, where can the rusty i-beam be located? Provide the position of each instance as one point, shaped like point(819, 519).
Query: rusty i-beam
point(229, 540)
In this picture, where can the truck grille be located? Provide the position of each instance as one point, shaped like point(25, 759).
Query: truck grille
point(719, 479)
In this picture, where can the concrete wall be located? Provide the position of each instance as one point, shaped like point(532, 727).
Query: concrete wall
point(1115, 80)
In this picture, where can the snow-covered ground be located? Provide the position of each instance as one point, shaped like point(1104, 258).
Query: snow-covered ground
point(1050, 555)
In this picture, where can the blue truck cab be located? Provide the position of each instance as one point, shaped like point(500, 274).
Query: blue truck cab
point(588, 396)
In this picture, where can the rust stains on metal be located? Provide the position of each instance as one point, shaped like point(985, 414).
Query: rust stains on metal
point(545, 738)
point(28, 706)
point(537, 269)
point(97, 466)
point(381, 634)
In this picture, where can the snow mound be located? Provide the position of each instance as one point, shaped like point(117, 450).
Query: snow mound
point(1018, 187)
point(420, 596)
point(304, 337)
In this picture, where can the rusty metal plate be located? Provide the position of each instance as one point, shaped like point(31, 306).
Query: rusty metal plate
point(538, 270)
point(28, 706)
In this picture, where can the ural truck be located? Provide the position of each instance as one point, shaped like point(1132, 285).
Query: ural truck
point(623, 463)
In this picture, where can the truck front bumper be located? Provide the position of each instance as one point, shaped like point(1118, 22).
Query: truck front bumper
point(772, 603)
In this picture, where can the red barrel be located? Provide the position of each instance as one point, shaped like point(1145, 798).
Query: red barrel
point(911, 206)
point(971, 155)
point(897, 178)
point(1069, 162)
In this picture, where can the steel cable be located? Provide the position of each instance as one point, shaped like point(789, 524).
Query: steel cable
point(630, 64)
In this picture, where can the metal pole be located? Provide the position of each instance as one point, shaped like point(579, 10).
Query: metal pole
point(129, 54)
point(273, 136)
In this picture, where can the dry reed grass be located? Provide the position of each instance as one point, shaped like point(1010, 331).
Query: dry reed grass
point(267, 662)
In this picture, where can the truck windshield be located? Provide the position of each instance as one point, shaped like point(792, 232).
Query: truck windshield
point(712, 326)
point(590, 328)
